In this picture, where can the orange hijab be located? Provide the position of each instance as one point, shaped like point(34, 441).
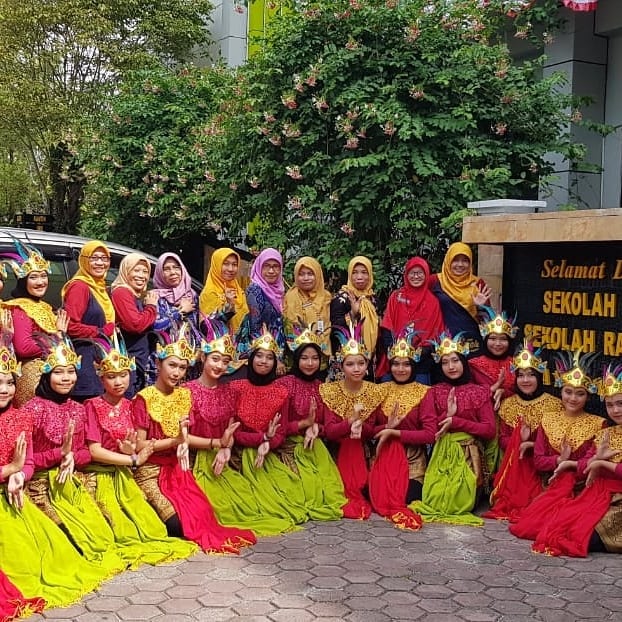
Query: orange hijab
point(460, 288)
point(212, 296)
point(97, 286)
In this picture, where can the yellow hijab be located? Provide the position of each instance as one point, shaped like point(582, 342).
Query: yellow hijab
point(312, 307)
point(367, 309)
point(97, 286)
point(128, 263)
point(212, 296)
point(460, 288)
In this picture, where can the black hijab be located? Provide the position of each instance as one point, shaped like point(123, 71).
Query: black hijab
point(21, 290)
point(45, 391)
point(411, 378)
point(256, 379)
point(296, 368)
point(537, 393)
point(466, 373)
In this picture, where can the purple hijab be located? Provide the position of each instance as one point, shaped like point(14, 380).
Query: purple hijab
point(274, 293)
point(173, 295)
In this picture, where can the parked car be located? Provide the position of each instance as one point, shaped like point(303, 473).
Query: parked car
point(62, 252)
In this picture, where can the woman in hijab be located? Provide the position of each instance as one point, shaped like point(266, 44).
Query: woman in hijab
point(459, 293)
point(309, 301)
point(177, 303)
point(136, 311)
point(264, 297)
point(31, 315)
point(90, 312)
point(222, 291)
point(355, 302)
point(415, 304)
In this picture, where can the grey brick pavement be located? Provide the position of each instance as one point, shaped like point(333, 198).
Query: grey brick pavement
point(368, 572)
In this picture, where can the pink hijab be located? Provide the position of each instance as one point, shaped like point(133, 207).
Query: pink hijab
point(274, 293)
point(175, 294)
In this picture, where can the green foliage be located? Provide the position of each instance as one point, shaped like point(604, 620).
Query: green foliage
point(149, 174)
point(59, 59)
point(372, 122)
point(362, 127)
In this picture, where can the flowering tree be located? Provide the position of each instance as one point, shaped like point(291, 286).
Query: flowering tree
point(361, 126)
point(372, 122)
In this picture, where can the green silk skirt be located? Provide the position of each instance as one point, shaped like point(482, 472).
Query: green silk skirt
point(233, 498)
point(450, 486)
point(40, 560)
point(138, 531)
point(321, 481)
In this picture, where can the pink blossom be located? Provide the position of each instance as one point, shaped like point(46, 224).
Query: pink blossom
point(238, 8)
point(269, 118)
point(412, 33)
point(347, 229)
point(253, 182)
point(294, 203)
point(275, 139)
point(352, 142)
point(233, 186)
point(209, 176)
point(389, 128)
point(294, 172)
point(320, 103)
point(416, 92)
point(576, 116)
point(289, 101)
point(352, 44)
point(500, 128)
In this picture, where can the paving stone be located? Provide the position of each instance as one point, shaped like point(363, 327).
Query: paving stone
point(367, 616)
point(438, 605)
point(186, 591)
point(288, 615)
point(326, 571)
point(180, 605)
point(477, 615)
point(362, 576)
point(218, 600)
point(291, 601)
point(139, 612)
point(66, 613)
point(433, 591)
point(364, 603)
point(511, 607)
point(473, 599)
point(106, 603)
point(505, 593)
point(260, 581)
point(465, 586)
point(556, 615)
point(400, 598)
point(296, 564)
point(591, 611)
point(90, 617)
point(327, 582)
point(363, 589)
point(213, 614)
point(253, 607)
point(147, 598)
point(327, 610)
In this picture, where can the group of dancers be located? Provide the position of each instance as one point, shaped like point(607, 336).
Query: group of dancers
point(257, 442)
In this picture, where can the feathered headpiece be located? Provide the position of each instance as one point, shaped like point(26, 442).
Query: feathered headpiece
point(351, 340)
point(266, 341)
point(182, 344)
point(571, 369)
point(114, 357)
point(497, 324)
point(60, 352)
point(3, 272)
point(28, 260)
point(611, 383)
point(299, 334)
point(8, 362)
point(403, 346)
point(447, 345)
point(217, 338)
point(528, 358)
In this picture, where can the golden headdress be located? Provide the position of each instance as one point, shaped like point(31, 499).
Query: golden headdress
point(299, 334)
point(448, 345)
point(217, 338)
point(8, 362)
point(403, 346)
point(114, 358)
point(572, 370)
point(60, 353)
point(611, 383)
point(497, 324)
point(266, 341)
point(182, 345)
point(351, 340)
point(528, 358)
point(30, 260)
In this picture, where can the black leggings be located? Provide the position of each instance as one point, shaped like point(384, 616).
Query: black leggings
point(173, 527)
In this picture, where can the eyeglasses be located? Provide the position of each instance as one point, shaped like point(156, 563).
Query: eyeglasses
point(98, 259)
point(417, 275)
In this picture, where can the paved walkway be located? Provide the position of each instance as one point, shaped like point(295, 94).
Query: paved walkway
point(367, 571)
